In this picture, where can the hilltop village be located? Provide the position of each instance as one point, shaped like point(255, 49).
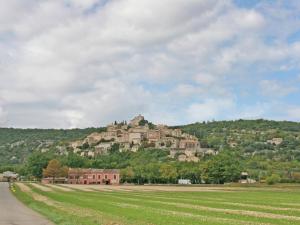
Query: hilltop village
point(141, 133)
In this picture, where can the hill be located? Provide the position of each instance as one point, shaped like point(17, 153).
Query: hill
point(17, 144)
point(278, 140)
point(250, 136)
point(262, 148)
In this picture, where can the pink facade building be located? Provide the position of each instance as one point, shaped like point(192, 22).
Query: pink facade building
point(93, 176)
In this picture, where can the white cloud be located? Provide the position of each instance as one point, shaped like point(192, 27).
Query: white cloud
point(274, 88)
point(210, 109)
point(187, 90)
point(205, 79)
point(103, 103)
point(83, 5)
point(2, 116)
point(294, 113)
point(85, 63)
point(255, 111)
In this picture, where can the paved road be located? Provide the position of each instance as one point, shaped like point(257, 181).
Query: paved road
point(13, 212)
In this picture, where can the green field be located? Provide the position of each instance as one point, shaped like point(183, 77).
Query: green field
point(228, 205)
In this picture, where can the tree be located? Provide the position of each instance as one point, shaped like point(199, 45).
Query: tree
point(37, 162)
point(151, 172)
point(225, 167)
point(273, 179)
point(55, 170)
point(168, 173)
point(74, 161)
point(115, 148)
point(84, 146)
point(190, 171)
point(127, 174)
point(77, 173)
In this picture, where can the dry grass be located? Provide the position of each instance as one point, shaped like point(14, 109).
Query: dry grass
point(205, 205)
point(23, 187)
point(37, 197)
point(222, 210)
point(59, 187)
point(41, 187)
point(204, 219)
point(151, 188)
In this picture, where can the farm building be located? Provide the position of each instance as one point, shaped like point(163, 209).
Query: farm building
point(245, 179)
point(8, 176)
point(184, 181)
point(2, 178)
point(93, 176)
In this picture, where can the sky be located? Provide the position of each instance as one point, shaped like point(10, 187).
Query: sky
point(75, 63)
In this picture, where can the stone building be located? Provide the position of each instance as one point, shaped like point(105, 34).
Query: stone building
point(176, 133)
point(91, 154)
point(135, 135)
point(93, 176)
point(189, 144)
point(136, 121)
point(93, 138)
point(153, 135)
point(76, 144)
point(135, 138)
point(275, 141)
point(9, 176)
point(102, 148)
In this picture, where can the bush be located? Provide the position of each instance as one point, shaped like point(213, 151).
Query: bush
point(273, 179)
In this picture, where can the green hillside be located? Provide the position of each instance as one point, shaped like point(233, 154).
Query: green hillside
point(250, 137)
point(17, 144)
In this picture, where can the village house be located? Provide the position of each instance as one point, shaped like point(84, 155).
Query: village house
point(167, 142)
point(93, 138)
point(102, 148)
point(139, 134)
point(188, 144)
point(135, 138)
point(245, 179)
point(136, 121)
point(8, 176)
point(135, 148)
point(93, 176)
point(184, 181)
point(182, 158)
point(123, 137)
point(2, 177)
point(232, 143)
point(153, 136)
point(76, 144)
point(275, 141)
point(176, 133)
point(91, 154)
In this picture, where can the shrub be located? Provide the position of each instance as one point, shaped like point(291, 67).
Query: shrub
point(273, 179)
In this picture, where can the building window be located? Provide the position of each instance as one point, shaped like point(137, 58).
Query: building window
point(115, 177)
point(99, 177)
point(94, 177)
point(105, 176)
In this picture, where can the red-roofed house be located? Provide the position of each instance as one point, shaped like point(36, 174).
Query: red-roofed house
point(93, 176)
